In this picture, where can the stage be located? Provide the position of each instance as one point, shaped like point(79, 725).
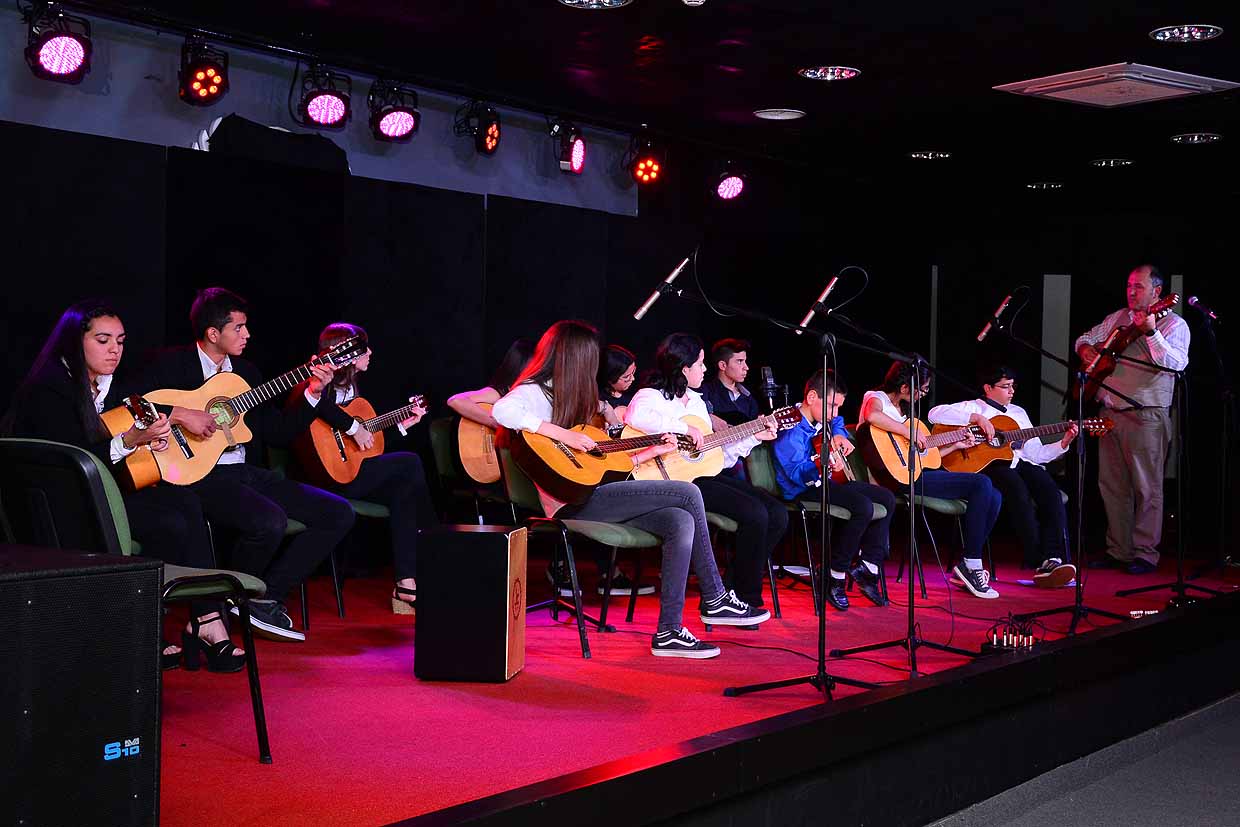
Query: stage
point(626, 738)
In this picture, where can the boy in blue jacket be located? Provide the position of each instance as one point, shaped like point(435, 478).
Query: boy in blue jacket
point(798, 477)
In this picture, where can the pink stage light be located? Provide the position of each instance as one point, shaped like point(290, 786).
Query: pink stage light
point(578, 156)
point(62, 55)
point(730, 187)
point(326, 109)
point(397, 124)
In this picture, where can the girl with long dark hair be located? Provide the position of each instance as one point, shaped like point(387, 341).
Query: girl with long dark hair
point(680, 367)
point(617, 374)
point(557, 391)
point(67, 388)
point(467, 403)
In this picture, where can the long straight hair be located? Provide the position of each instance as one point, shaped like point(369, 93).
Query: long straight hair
point(565, 365)
point(515, 359)
point(677, 352)
point(345, 378)
point(63, 349)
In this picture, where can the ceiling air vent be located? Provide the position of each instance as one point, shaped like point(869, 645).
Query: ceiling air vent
point(1119, 84)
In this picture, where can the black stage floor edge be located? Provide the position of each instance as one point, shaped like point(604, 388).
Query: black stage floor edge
point(906, 754)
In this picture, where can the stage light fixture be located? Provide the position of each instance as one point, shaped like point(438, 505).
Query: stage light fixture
point(828, 72)
point(1197, 138)
point(1111, 163)
point(394, 115)
point(1191, 33)
point(1044, 185)
point(58, 46)
point(481, 122)
point(644, 160)
point(569, 145)
point(779, 114)
point(595, 5)
point(203, 78)
point(731, 184)
point(325, 98)
point(929, 155)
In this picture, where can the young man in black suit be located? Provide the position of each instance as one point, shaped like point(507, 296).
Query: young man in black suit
point(239, 494)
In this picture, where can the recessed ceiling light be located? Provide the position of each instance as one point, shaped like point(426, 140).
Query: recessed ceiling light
point(1197, 138)
point(1192, 33)
point(1045, 185)
point(828, 72)
point(779, 114)
point(593, 5)
point(1111, 162)
point(694, 2)
point(929, 155)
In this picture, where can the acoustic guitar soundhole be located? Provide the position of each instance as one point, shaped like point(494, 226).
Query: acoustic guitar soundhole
point(222, 410)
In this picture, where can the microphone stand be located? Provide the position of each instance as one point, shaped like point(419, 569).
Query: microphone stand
point(1179, 586)
point(1223, 558)
point(821, 680)
point(1077, 608)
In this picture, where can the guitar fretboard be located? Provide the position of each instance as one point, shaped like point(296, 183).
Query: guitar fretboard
point(632, 443)
point(1033, 433)
point(945, 438)
point(283, 383)
point(387, 420)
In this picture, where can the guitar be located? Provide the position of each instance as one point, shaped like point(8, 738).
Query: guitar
point(1104, 364)
point(888, 456)
point(688, 464)
point(139, 469)
point(571, 476)
point(845, 474)
point(1008, 434)
point(227, 397)
point(476, 446)
point(326, 453)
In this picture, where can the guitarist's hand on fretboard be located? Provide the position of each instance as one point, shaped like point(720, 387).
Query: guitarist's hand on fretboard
point(1069, 435)
point(771, 431)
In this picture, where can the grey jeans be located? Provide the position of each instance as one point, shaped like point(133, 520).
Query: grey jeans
point(674, 512)
point(1131, 462)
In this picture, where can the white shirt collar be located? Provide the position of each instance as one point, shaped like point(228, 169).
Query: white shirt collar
point(102, 384)
point(208, 364)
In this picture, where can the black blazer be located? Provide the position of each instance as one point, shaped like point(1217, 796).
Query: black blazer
point(45, 408)
point(180, 369)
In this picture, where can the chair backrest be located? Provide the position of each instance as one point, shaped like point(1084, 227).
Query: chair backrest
point(61, 496)
point(519, 488)
point(278, 460)
point(443, 447)
point(760, 469)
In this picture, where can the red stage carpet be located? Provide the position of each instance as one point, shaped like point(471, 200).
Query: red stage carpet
point(356, 739)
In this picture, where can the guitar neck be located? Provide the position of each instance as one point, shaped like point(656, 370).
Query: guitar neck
point(944, 438)
point(1033, 433)
point(281, 384)
point(387, 420)
point(632, 443)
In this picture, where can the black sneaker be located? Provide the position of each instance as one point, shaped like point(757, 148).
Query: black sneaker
point(837, 597)
point(868, 583)
point(271, 620)
point(729, 610)
point(622, 586)
point(681, 644)
point(1054, 573)
point(975, 581)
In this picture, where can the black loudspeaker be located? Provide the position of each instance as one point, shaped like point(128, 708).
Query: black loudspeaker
point(79, 653)
point(471, 603)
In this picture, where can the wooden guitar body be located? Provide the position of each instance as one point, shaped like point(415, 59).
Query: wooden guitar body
point(190, 458)
point(888, 456)
point(327, 454)
point(476, 445)
point(139, 470)
point(569, 476)
point(683, 465)
point(982, 454)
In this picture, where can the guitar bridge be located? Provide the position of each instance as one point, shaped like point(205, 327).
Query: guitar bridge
point(182, 442)
point(568, 452)
point(344, 457)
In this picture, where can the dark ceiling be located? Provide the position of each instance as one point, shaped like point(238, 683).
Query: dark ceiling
point(697, 73)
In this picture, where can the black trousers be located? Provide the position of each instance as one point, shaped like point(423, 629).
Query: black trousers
point(1032, 501)
point(257, 504)
point(762, 521)
point(397, 481)
point(861, 534)
point(168, 521)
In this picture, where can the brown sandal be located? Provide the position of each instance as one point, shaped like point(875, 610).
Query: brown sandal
point(401, 605)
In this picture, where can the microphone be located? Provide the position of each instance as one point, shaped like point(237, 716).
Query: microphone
point(994, 320)
point(826, 291)
point(1203, 307)
point(658, 291)
point(768, 385)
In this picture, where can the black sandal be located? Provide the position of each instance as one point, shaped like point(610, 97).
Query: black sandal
point(401, 606)
point(221, 656)
point(168, 661)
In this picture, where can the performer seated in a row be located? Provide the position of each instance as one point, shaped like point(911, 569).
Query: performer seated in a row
point(241, 495)
point(468, 404)
point(886, 409)
point(395, 479)
point(862, 539)
point(617, 383)
point(761, 519)
point(557, 391)
point(69, 385)
point(1030, 496)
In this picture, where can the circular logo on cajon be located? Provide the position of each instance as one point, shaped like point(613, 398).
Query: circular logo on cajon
point(518, 597)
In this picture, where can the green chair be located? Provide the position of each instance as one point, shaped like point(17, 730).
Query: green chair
point(522, 494)
point(452, 477)
point(61, 496)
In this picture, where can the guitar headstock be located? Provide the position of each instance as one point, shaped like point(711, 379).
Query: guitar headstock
point(786, 417)
point(143, 412)
point(342, 354)
point(1100, 425)
point(1164, 305)
point(418, 401)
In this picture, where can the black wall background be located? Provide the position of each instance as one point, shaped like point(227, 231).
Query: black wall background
point(443, 281)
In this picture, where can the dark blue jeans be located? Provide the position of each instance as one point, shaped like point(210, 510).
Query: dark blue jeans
point(1035, 507)
point(983, 503)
